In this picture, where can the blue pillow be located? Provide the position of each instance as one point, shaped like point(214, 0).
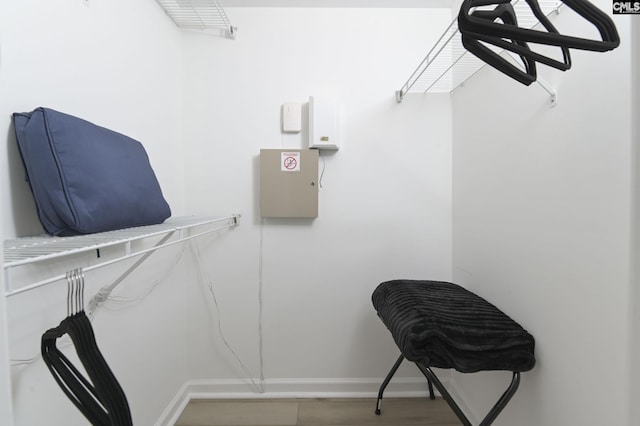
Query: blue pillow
point(85, 178)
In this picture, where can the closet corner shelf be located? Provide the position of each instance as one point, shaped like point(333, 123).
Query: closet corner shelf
point(448, 65)
point(30, 250)
point(198, 15)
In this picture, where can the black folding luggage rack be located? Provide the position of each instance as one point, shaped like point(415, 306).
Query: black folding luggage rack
point(442, 325)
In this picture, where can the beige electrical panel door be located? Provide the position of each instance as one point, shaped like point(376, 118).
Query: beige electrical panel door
point(289, 183)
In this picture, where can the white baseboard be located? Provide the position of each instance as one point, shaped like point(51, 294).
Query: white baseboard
point(290, 388)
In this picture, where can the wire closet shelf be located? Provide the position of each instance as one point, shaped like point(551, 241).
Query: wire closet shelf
point(449, 65)
point(30, 250)
point(198, 15)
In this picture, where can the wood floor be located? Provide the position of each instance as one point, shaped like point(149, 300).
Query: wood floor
point(317, 412)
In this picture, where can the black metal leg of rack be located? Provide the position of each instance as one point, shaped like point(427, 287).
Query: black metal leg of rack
point(388, 379)
point(495, 410)
point(445, 394)
point(503, 401)
point(386, 382)
point(431, 394)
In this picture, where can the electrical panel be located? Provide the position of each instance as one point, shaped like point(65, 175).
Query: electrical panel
point(288, 183)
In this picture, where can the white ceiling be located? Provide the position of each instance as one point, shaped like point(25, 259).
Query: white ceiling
point(340, 3)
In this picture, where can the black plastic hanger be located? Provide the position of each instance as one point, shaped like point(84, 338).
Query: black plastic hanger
point(603, 23)
point(522, 47)
point(78, 389)
point(100, 399)
point(110, 392)
point(472, 28)
point(470, 40)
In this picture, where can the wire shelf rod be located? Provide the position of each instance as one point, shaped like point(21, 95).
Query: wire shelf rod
point(424, 65)
point(198, 14)
point(232, 221)
point(450, 59)
point(22, 251)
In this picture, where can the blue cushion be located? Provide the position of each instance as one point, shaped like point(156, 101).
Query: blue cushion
point(85, 178)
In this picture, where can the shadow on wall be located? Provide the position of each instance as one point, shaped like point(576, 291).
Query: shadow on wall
point(23, 208)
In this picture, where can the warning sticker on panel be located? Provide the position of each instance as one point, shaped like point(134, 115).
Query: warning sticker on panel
point(290, 161)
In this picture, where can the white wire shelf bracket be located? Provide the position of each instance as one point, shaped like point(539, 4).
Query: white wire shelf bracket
point(32, 250)
point(198, 15)
point(449, 65)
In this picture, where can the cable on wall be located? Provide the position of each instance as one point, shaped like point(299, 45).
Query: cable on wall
point(324, 165)
point(105, 299)
point(122, 301)
point(104, 294)
point(206, 280)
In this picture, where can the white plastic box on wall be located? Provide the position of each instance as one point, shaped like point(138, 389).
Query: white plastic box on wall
point(323, 123)
point(292, 117)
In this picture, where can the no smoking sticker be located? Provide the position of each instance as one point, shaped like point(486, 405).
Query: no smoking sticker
point(290, 161)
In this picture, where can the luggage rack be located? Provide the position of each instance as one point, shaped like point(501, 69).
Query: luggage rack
point(448, 65)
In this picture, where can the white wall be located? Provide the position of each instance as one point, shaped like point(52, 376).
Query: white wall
point(541, 226)
point(541, 201)
point(541, 196)
point(112, 63)
point(118, 64)
point(385, 201)
point(6, 406)
point(385, 205)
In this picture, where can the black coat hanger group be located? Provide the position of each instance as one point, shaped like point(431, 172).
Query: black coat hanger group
point(100, 399)
point(481, 27)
